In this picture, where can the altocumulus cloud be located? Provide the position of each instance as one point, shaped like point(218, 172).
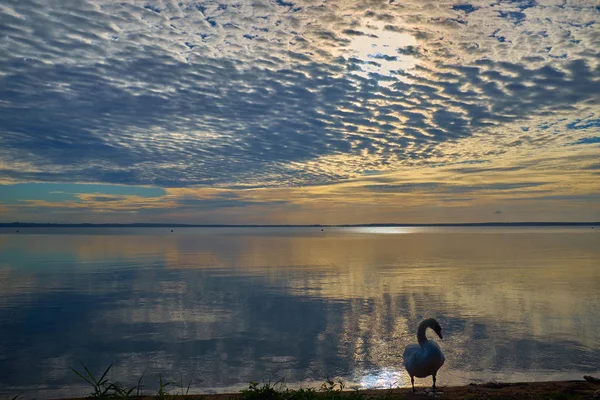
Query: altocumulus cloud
point(275, 93)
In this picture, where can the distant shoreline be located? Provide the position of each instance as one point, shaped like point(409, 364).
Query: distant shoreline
point(161, 225)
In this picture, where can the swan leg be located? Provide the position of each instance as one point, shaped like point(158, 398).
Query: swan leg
point(433, 382)
point(412, 381)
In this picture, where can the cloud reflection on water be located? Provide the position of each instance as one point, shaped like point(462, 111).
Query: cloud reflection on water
point(225, 307)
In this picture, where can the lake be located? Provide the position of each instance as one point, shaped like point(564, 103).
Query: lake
point(220, 307)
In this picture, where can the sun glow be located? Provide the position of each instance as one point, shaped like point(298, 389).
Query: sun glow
point(383, 52)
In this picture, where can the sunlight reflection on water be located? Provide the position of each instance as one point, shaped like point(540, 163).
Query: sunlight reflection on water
point(383, 230)
point(225, 307)
point(382, 379)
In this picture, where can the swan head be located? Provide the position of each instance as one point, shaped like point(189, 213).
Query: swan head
point(438, 330)
point(434, 325)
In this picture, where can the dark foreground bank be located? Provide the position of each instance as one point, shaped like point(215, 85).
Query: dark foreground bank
point(561, 390)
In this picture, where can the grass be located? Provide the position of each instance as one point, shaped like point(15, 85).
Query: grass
point(102, 388)
point(330, 390)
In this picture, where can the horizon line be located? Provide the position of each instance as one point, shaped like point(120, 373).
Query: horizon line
point(180, 225)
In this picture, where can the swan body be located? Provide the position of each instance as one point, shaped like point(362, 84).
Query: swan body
point(426, 358)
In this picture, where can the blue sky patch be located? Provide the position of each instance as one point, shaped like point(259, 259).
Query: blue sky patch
point(584, 124)
point(588, 140)
point(467, 8)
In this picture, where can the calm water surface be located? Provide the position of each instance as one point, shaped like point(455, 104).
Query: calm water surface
point(222, 307)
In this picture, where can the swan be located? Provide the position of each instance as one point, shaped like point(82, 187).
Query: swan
point(425, 358)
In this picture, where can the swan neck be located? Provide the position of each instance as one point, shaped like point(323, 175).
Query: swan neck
point(421, 333)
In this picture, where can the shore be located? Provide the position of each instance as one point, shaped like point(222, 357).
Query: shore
point(510, 391)
point(553, 390)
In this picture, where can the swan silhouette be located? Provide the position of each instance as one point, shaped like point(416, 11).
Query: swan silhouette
point(425, 358)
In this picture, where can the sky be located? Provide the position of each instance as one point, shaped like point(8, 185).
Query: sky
point(299, 111)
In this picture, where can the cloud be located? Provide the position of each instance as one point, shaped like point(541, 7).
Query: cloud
point(439, 188)
point(589, 140)
point(246, 95)
point(169, 95)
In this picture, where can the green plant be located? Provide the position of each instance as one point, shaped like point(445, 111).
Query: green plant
point(102, 388)
point(138, 391)
point(184, 391)
point(267, 391)
point(161, 394)
point(119, 391)
point(329, 390)
point(332, 389)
